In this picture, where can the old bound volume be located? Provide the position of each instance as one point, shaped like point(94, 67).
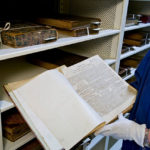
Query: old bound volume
point(131, 42)
point(63, 108)
point(137, 35)
point(74, 33)
point(136, 38)
point(14, 126)
point(70, 22)
point(28, 35)
point(76, 26)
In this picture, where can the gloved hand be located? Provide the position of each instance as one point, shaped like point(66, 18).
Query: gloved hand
point(125, 129)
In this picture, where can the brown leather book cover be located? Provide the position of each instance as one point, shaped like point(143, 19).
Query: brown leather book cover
point(130, 62)
point(68, 22)
point(28, 35)
point(137, 35)
point(74, 33)
point(134, 42)
point(14, 125)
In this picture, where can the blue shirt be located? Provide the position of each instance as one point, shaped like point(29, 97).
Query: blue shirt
point(141, 110)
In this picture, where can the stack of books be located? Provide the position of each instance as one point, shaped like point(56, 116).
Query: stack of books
point(73, 25)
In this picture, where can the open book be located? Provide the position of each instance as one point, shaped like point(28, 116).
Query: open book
point(63, 108)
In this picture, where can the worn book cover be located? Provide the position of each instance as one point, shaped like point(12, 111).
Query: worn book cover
point(75, 33)
point(137, 35)
point(28, 35)
point(69, 22)
point(14, 126)
point(131, 42)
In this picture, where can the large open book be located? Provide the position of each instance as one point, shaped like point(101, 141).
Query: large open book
point(63, 108)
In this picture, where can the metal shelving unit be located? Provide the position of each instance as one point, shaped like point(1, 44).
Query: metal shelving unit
point(107, 44)
point(137, 7)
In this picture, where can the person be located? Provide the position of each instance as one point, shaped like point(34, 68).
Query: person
point(135, 131)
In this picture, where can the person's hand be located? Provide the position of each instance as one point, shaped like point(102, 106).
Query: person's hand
point(125, 129)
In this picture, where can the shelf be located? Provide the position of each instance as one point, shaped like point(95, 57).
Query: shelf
point(131, 75)
point(95, 141)
point(141, 25)
point(137, 50)
point(7, 52)
point(8, 145)
point(6, 105)
point(117, 145)
point(110, 61)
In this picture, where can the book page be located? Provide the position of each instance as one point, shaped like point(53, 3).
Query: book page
point(55, 112)
point(101, 87)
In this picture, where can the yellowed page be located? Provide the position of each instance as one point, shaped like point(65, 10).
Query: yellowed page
point(57, 114)
point(101, 87)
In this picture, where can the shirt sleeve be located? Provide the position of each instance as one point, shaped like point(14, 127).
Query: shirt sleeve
point(141, 70)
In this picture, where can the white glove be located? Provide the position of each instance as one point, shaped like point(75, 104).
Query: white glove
point(125, 129)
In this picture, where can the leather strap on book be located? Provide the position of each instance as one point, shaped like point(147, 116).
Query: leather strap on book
point(6, 27)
